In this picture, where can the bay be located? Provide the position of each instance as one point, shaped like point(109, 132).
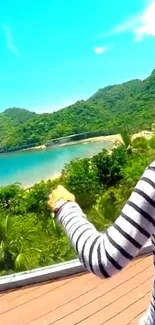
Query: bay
point(29, 167)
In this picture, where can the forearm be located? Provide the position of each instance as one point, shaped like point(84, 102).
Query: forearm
point(94, 249)
point(82, 234)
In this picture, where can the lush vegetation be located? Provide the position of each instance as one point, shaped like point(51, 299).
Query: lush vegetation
point(129, 104)
point(29, 237)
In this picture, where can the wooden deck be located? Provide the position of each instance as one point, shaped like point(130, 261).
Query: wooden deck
point(82, 299)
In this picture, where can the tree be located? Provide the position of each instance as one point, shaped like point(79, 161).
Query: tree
point(140, 143)
point(37, 198)
point(80, 177)
point(12, 251)
point(153, 128)
point(109, 165)
point(152, 142)
point(106, 205)
point(126, 139)
point(8, 194)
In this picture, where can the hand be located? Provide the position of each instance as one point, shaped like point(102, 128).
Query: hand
point(59, 193)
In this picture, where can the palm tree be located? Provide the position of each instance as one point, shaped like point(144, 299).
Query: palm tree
point(126, 139)
point(12, 252)
point(139, 144)
point(153, 128)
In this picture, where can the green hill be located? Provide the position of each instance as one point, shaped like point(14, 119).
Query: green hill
point(129, 104)
point(18, 115)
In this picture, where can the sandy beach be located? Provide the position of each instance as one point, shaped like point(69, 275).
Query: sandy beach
point(111, 138)
point(115, 138)
point(43, 146)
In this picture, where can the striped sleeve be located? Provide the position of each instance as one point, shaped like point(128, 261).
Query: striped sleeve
point(105, 254)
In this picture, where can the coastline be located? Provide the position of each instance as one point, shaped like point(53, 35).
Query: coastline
point(110, 138)
point(114, 138)
point(43, 146)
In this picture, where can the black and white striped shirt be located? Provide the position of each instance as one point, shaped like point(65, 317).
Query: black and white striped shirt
point(105, 254)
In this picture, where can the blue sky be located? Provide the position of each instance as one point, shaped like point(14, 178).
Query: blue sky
point(55, 52)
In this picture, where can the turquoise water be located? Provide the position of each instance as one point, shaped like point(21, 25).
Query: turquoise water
point(33, 166)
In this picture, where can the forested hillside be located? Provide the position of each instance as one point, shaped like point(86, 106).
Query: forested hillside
point(129, 104)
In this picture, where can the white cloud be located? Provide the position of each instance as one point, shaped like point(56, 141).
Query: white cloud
point(141, 25)
point(126, 26)
point(147, 24)
point(9, 40)
point(100, 50)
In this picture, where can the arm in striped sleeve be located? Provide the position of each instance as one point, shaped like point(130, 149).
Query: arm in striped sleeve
point(105, 254)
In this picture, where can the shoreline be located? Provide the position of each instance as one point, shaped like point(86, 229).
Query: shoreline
point(43, 146)
point(109, 138)
point(114, 138)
